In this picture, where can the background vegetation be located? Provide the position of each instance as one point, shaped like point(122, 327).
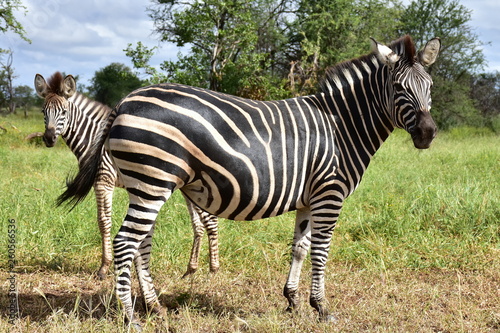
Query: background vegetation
point(416, 248)
point(273, 49)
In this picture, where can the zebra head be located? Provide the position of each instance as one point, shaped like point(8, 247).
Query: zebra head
point(55, 107)
point(410, 86)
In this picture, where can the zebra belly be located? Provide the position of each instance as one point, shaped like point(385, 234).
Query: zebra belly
point(211, 199)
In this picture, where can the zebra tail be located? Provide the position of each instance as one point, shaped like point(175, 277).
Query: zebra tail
point(79, 187)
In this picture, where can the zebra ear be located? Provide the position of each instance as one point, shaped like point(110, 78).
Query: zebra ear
point(41, 86)
point(429, 53)
point(384, 54)
point(69, 86)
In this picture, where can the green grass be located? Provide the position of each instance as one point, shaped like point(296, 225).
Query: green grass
point(418, 218)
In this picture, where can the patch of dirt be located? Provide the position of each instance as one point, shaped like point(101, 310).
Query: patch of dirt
point(363, 301)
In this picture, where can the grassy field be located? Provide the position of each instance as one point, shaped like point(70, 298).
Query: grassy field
point(417, 249)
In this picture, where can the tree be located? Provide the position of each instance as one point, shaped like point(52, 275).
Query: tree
point(140, 57)
point(7, 19)
point(235, 46)
point(217, 30)
point(113, 82)
point(331, 31)
point(274, 48)
point(461, 56)
point(24, 97)
point(485, 90)
point(7, 76)
point(253, 48)
point(8, 22)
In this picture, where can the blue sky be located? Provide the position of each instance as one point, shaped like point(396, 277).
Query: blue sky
point(80, 37)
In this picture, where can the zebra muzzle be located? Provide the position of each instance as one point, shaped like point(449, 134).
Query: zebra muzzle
point(50, 137)
point(425, 131)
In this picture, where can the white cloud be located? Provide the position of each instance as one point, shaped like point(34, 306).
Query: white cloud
point(78, 37)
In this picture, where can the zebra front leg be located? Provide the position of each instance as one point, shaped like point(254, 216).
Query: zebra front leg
point(321, 235)
point(300, 248)
point(104, 200)
point(136, 227)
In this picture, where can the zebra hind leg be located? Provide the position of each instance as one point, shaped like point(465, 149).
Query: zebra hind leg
point(141, 261)
point(300, 248)
point(211, 222)
point(201, 221)
point(104, 199)
point(198, 232)
point(133, 243)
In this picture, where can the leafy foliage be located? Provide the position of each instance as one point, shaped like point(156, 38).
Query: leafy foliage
point(7, 19)
point(485, 91)
point(217, 31)
point(229, 42)
point(7, 100)
point(111, 83)
point(268, 49)
point(331, 31)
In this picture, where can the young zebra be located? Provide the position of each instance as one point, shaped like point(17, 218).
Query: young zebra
point(78, 119)
point(244, 160)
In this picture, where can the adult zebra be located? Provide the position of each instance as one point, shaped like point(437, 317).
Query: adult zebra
point(244, 159)
point(78, 119)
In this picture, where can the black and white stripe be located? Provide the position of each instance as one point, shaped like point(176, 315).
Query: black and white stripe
point(78, 120)
point(245, 160)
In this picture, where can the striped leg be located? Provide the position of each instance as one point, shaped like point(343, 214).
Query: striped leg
point(210, 222)
point(202, 221)
point(141, 262)
point(133, 242)
point(198, 231)
point(300, 248)
point(104, 199)
point(323, 221)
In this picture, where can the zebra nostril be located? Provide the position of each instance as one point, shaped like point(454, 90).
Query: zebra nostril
point(50, 137)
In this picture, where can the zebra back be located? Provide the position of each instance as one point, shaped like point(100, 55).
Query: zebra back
point(277, 145)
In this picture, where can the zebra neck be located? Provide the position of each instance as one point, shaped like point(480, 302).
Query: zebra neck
point(85, 117)
point(358, 97)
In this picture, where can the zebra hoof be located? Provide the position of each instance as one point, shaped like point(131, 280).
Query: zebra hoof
point(159, 311)
point(328, 319)
point(136, 327)
point(103, 271)
point(189, 272)
point(100, 275)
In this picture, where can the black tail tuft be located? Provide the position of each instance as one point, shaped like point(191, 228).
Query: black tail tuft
point(78, 188)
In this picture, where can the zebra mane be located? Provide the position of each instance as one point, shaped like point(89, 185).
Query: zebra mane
point(54, 84)
point(96, 110)
point(405, 48)
point(334, 75)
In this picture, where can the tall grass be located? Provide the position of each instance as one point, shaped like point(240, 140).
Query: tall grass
point(437, 209)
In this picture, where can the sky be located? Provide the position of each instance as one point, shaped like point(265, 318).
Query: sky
point(81, 37)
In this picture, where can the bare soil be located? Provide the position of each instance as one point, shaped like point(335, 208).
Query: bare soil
point(401, 300)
